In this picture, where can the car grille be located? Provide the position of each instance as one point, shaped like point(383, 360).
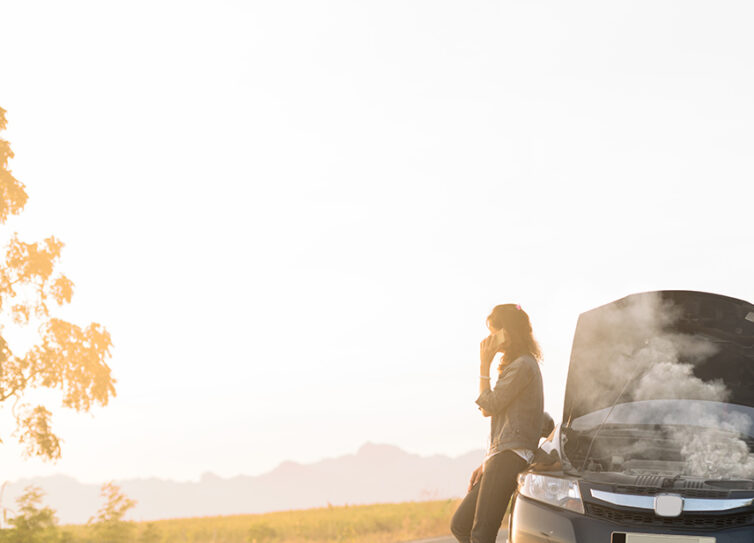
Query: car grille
point(685, 492)
point(685, 521)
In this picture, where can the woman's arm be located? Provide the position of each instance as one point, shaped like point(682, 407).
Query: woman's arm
point(513, 380)
point(484, 380)
point(486, 355)
point(484, 384)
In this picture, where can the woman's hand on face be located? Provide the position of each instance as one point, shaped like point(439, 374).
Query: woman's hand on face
point(475, 477)
point(487, 349)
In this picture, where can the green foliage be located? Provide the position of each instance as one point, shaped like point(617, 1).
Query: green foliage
point(378, 523)
point(109, 526)
point(261, 533)
point(150, 534)
point(67, 357)
point(12, 193)
point(33, 524)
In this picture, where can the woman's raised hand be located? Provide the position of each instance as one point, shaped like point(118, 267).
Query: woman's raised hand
point(487, 349)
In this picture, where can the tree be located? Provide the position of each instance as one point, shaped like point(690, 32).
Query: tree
point(108, 525)
point(33, 524)
point(66, 357)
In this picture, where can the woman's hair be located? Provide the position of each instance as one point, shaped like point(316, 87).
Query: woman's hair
point(520, 341)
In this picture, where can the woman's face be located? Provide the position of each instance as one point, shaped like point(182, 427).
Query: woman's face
point(503, 336)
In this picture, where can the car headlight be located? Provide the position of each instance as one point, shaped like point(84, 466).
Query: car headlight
point(551, 490)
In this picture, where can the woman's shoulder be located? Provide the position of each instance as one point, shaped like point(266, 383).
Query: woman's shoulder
point(524, 363)
point(525, 359)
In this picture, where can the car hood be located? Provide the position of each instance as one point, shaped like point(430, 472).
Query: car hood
point(663, 345)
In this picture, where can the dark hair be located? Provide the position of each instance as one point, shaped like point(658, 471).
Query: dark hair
point(515, 322)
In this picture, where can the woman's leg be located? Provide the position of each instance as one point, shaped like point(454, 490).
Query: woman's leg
point(463, 518)
point(495, 490)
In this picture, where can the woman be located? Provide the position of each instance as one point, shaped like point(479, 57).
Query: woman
point(515, 406)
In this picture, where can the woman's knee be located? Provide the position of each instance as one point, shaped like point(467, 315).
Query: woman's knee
point(460, 527)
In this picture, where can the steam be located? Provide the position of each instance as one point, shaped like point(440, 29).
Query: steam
point(676, 380)
point(713, 455)
point(628, 353)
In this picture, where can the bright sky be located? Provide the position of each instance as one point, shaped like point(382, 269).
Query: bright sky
point(294, 217)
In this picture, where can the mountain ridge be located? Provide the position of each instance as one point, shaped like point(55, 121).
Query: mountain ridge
point(375, 473)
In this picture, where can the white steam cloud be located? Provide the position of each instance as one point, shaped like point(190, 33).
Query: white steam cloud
point(628, 354)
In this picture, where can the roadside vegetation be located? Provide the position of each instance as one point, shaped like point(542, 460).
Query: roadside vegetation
point(378, 523)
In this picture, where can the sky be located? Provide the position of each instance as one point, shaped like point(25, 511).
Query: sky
point(293, 217)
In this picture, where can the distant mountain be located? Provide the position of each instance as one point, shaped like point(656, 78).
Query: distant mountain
point(376, 473)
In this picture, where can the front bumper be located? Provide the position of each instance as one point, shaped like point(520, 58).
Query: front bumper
point(534, 522)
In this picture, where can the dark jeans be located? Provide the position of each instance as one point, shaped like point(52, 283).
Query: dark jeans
point(481, 512)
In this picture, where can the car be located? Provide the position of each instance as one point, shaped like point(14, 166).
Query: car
point(655, 443)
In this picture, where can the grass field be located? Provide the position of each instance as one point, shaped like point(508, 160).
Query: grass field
point(378, 523)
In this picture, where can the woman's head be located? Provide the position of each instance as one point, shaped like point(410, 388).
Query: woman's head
point(518, 333)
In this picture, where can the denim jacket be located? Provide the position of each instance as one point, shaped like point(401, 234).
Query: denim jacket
point(516, 406)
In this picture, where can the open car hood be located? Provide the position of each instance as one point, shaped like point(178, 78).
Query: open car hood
point(664, 345)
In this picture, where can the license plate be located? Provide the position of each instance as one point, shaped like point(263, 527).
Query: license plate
point(659, 538)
